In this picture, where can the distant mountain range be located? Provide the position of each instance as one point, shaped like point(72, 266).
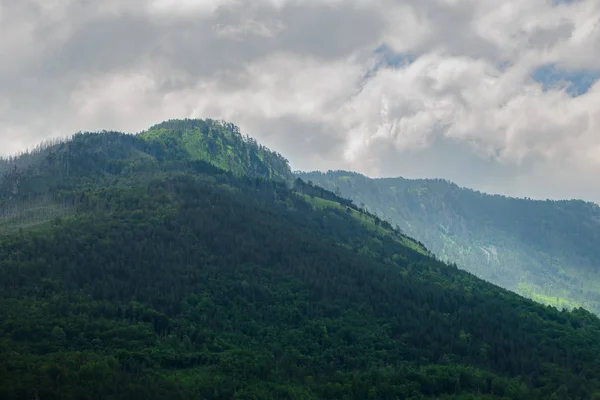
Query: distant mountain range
point(546, 250)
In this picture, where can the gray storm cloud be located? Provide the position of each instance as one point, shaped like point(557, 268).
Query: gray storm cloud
point(304, 77)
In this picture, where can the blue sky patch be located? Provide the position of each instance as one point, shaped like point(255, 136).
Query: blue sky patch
point(392, 59)
point(576, 82)
point(388, 58)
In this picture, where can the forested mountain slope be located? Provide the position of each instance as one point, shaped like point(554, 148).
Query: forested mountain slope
point(547, 250)
point(168, 277)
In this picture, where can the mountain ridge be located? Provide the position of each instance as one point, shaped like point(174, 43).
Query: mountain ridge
point(541, 248)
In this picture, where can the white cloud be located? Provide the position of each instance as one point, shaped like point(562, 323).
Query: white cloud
point(248, 28)
point(187, 7)
point(302, 76)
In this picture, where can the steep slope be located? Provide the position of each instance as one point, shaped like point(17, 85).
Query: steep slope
point(547, 250)
point(177, 279)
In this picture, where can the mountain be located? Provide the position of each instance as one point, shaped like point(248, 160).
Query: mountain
point(546, 250)
point(161, 275)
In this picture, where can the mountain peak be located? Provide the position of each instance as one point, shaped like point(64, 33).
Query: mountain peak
point(219, 143)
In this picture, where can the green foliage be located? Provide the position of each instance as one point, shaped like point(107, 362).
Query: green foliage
point(219, 143)
point(546, 250)
point(172, 278)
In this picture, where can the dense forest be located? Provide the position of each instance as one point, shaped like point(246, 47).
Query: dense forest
point(546, 250)
point(164, 275)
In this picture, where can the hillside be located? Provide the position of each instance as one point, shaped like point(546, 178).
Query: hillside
point(171, 278)
point(547, 250)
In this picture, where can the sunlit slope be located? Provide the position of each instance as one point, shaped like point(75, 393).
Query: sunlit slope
point(218, 143)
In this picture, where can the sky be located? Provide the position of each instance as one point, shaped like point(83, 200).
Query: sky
point(499, 96)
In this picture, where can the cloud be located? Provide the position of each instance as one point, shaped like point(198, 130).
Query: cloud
point(500, 96)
